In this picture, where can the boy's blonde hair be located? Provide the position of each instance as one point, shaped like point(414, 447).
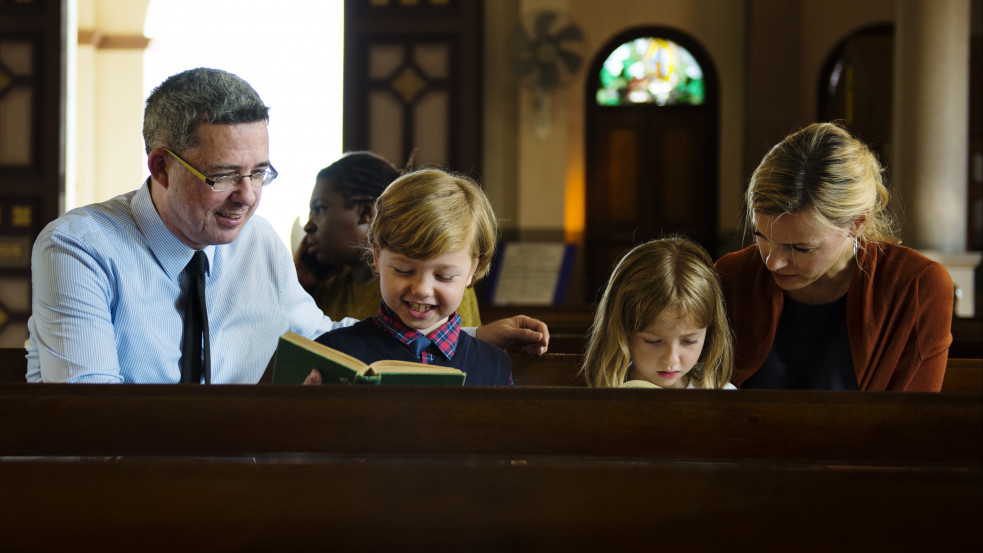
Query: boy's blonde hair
point(672, 273)
point(429, 212)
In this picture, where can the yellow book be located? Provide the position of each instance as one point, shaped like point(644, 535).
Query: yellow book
point(296, 356)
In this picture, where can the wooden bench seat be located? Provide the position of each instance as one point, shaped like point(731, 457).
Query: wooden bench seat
point(152, 506)
point(569, 324)
point(271, 468)
point(550, 369)
point(562, 369)
point(13, 364)
point(573, 422)
point(963, 375)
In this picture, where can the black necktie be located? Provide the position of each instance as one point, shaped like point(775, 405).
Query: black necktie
point(195, 324)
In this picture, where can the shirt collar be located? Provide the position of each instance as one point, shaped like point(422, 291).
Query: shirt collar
point(172, 254)
point(444, 337)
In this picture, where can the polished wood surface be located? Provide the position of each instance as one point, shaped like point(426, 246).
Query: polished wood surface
point(211, 505)
point(13, 364)
point(963, 375)
point(577, 422)
point(563, 369)
point(569, 324)
point(551, 369)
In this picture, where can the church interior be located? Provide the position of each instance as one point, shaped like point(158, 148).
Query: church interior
point(592, 127)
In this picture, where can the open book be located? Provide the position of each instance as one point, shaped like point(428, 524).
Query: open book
point(296, 356)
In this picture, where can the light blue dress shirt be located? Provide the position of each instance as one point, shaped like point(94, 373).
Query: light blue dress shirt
point(108, 280)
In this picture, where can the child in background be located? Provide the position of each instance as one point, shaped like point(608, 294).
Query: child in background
point(342, 208)
point(661, 322)
point(432, 237)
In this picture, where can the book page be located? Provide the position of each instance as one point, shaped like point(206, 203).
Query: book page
point(393, 365)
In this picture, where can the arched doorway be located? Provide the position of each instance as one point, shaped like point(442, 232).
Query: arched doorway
point(855, 86)
point(652, 146)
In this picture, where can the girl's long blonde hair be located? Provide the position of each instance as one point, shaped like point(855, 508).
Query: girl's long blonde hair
point(654, 276)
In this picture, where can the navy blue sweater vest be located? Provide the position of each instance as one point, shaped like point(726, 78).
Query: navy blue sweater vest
point(484, 364)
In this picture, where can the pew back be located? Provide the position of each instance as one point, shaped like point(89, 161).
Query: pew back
point(13, 364)
point(210, 506)
point(563, 369)
point(569, 325)
point(550, 369)
point(573, 422)
point(963, 375)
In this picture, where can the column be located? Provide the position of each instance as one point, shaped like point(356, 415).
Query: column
point(929, 164)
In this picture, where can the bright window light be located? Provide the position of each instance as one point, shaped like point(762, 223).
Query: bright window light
point(291, 52)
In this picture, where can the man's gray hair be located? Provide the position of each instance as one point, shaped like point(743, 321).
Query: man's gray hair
point(178, 105)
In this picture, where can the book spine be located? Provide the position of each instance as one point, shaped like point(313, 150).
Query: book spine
point(368, 380)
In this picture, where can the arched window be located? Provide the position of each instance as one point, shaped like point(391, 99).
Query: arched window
point(650, 70)
point(651, 99)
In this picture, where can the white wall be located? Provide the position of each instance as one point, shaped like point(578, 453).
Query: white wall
point(295, 66)
point(108, 91)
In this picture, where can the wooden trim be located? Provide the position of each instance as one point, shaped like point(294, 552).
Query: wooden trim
point(112, 42)
point(89, 37)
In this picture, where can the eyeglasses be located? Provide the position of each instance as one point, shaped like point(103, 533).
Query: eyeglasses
point(224, 183)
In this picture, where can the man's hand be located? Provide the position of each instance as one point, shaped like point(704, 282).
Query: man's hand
point(518, 334)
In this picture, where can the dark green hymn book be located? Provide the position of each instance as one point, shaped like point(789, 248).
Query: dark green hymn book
point(296, 356)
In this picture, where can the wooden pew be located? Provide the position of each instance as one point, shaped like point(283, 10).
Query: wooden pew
point(294, 468)
point(963, 375)
point(157, 505)
point(967, 338)
point(550, 369)
point(804, 427)
point(568, 325)
point(13, 364)
point(562, 369)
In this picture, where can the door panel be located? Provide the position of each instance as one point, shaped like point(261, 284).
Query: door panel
point(652, 172)
point(31, 147)
point(652, 147)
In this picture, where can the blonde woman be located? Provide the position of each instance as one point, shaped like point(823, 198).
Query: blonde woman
point(826, 298)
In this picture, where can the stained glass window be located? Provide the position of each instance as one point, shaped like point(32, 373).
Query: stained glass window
point(650, 70)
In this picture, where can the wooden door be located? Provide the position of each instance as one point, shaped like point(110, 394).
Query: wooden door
point(651, 172)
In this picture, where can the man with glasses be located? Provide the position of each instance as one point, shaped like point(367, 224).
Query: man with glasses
point(110, 279)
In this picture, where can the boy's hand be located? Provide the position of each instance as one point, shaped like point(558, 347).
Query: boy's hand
point(518, 334)
point(313, 379)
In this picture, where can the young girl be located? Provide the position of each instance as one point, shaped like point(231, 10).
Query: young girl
point(661, 322)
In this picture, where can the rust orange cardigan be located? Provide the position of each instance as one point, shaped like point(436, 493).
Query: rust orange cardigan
point(898, 309)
